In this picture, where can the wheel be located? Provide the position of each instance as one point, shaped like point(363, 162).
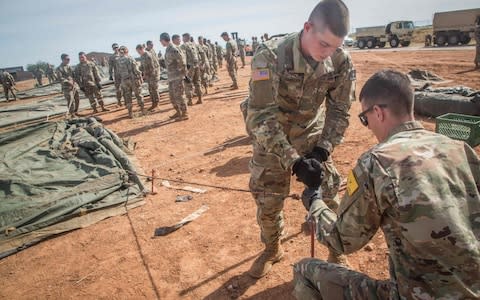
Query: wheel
point(441, 40)
point(361, 44)
point(370, 44)
point(466, 40)
point(405, 43)
point(394, 42)
point(453, 40)
point(382, 44)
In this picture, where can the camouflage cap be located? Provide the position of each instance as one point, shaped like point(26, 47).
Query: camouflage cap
point(224, 34)
point(114, 45)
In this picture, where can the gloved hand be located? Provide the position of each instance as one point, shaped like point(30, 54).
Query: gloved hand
point(309, 171)
point(99, 85)
point(110, 78)
point(311, 195)
point(319, 154)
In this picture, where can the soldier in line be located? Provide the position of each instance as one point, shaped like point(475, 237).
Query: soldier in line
point(421, 188)
point(50, 73)
point(69, 87)
point(204, 64)
point(112, 70)
point(150, 69)
point(213, 50)
point(241, 51)
point(254, 44)
point(86, 75)
point(38, 73)
point(131, 80)
point(230, 58)
point(8, 83)
point(211, 70)
point(193, 72)
point(176, 69)
point(291, 127)
point(158, 58)
point(477, 41)
point(265, 37)
point(219, 51)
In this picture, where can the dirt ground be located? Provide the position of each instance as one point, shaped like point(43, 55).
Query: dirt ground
point(208, 258)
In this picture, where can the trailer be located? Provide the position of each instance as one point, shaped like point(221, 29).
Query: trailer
point(455, 27)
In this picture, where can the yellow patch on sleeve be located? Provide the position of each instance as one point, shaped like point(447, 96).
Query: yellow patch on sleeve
point(260, 74)
point(352, 184)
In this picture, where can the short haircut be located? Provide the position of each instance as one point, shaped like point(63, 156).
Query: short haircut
point(334, 14)
point(140, 46)
point(63, 56)
point(165, 37)
point(391, 88)
point(81, 53)
point(175, 36)
point(149, 43)
point(186, 35)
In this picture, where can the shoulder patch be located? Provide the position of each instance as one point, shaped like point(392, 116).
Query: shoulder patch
point(353, 75)
point(260, 74)
point(352, 184)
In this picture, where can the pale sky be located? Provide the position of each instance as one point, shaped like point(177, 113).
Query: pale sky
point(33, 30)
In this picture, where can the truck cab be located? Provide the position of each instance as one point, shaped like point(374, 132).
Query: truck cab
point(400, 32)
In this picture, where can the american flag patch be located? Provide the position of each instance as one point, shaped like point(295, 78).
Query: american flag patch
point(260, 74)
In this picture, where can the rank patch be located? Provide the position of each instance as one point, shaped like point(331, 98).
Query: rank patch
point(260, 74)
point(352, 184)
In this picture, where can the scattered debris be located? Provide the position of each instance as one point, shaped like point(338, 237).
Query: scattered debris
point(162, 231)
point(184, 198)
point(187, 188)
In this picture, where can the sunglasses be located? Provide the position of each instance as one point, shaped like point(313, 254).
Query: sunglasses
point(362, 116)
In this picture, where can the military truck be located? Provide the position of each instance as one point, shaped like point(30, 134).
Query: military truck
point(454, 27)
point(395, 33)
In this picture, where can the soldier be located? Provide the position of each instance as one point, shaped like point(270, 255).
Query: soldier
point(159, 57)
point(477, 41)
point(193, 72)
point(204, 64)
point(86, 75)
point(8, 83)
point(50, 74)
point(231, 59)
point(150, 69)
point(421, 188)
point(241, 51)
point(131, 80)
point(38, 73)
point(176, 69)
point(254, 44)
point(213, 50)
point(265, 37)
point(211, 70)
point(219, 51)
point(291, 126)
point(104, 62)
point(112, 70)
point(69, 87)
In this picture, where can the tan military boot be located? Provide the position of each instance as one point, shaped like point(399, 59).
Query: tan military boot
point(190, 103)
point(263, 264)
point(336, 258)
point(184, 116)
point(199, 101)
point(176, 115)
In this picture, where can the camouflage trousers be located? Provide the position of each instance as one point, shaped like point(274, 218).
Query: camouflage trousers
point(176, 91)
point(242, 57)
point(220, 61)
point(92, 92)
point(215, 65)
point(118, 90)
point(271, 185)
point(212, 71)
point(194, 74)
point(232, 70)
point(130, 86)
point(153, 89)
point(317, 279)
point(7, 88)
point(205, 75)
point(72, 97)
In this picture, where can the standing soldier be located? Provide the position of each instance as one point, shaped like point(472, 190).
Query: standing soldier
point(291, 126)
point(211, 70)
point(104, 62)
point(213, 50)
point(219, 52)
point(69, 87)
point(241, 51)
point(254, 44)
point(158, 58)
point(204, 64)
point(176, 69)
point(131, 80)
point(50, 74)
point(477, 41)
point(38, 73)
point(86, 75)
point(112, 70)
point(230, 58)
point(193, 72)
point(8, 83)
point(151, 73)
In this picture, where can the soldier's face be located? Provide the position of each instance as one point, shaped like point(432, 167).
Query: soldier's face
point(176, 41)
point(140, 51)
point(149, 46)
point(319, 42)
point(185, 39)
point(82, 58)
point(66, 60)
point(225, 38)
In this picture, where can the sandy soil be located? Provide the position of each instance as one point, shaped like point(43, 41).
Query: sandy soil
point(208, 258)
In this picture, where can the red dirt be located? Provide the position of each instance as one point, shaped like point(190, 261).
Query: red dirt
point(209, 257)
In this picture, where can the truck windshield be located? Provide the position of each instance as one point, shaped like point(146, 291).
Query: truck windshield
point(408, 25)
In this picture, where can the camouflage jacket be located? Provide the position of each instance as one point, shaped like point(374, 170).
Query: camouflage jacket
point(112, 65)
point(230, 50)
point(148, 66)
point(128, 69)
point(66, 76)
point(203, 57)
point(214, 53)
point(176, 63)
point(7, 79)
point(156, 58)
point(86, 74)
point(293, 106)
point(219, 51)
point(255, 46)
point(191, 54)
point(422, 189)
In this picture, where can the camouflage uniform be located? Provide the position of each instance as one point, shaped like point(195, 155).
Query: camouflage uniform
point(255, 45)
point(38, 73)
point(241, 51)
point(293, 107)
point(214, 58)
point(161, 60)
point(50, 74)
point(477, 41)
point(204, 65)
point(131, 81)
point(156, 58)
point(69, 87)
point(112, 70)
point(86, 75)
point(422, 189)
point(150, 68)
point(231, 60)
point(193, 72)
point(8, 82)
point(177, 69)
point(219, 51)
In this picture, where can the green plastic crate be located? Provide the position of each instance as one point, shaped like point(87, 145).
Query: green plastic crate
point(459, 127)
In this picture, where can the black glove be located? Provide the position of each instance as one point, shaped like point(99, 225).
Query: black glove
point(319, 154)
point(311, 195)
point(309, 171)
point(187, 79)
point(111, 78)
point(99, 85)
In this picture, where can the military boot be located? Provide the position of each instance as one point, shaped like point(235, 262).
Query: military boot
point(235, 86)
point(130, 113)
point(176, 115)
point(189, 103)
point(263, 264)
point(95, 110)
point(199, 101)
point(104, 109)
point(337, 258)
point(184, 116)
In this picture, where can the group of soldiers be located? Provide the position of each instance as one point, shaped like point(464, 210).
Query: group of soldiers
point(191, 68)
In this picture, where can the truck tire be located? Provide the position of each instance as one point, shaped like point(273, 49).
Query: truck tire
point(453, 40)
point(361, 44)
point(370, 44)
point(382, 44)
point(394, 42)
point(466, 40)
point(441, 40)
point(405, 43)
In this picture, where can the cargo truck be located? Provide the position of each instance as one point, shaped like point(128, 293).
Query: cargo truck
point(395, 33)
point(454, 27)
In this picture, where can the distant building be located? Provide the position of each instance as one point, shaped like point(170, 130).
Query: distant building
point(18, 73)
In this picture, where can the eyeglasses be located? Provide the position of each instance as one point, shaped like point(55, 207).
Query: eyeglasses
point(362, 116)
